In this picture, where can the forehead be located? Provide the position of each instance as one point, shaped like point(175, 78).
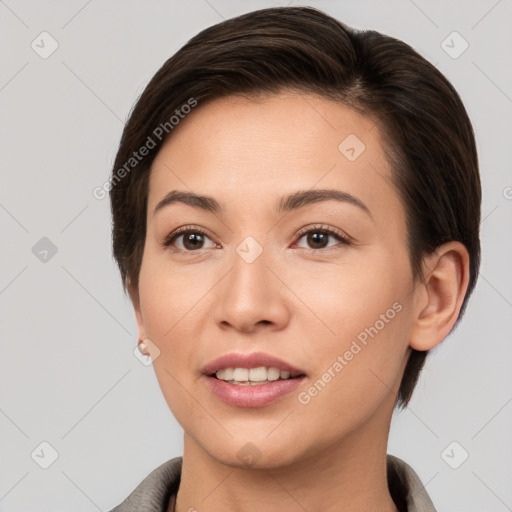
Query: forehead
point(252, 150)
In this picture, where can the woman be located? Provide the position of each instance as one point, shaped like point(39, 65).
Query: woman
point(296, 211)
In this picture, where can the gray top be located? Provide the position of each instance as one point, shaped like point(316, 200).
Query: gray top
point(158, 490)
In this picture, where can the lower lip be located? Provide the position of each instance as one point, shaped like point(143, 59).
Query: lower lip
point(252, 396)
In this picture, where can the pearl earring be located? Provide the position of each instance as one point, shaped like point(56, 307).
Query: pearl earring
point(143, 348)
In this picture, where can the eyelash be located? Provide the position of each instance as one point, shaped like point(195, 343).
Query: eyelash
point(343, 239)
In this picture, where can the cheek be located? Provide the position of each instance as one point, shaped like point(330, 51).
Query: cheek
point(354, 376)
point(168, 295)
point(170, 319)
point(357, 350)
point(346, 298)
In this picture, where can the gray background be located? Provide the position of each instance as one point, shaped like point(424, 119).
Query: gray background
point(68, 375)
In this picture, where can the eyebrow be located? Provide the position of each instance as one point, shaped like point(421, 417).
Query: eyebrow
point(288, 203)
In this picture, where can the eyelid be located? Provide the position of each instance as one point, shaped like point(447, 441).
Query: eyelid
point(344, 237)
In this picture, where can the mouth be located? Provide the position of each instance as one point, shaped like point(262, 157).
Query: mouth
point(255, 367)
point(251, 380)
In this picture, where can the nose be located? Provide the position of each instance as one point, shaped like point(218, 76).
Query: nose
point(252, 297)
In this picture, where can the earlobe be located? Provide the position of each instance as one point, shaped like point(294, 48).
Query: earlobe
point(440, 295)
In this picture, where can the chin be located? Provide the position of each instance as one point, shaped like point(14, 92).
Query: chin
point(255, 453)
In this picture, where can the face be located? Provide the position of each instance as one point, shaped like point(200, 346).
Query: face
point(324, 284)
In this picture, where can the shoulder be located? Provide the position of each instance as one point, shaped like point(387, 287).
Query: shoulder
point(406, 488)
point(154, 492)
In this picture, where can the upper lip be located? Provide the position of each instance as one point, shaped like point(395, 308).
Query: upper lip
point(252, 360)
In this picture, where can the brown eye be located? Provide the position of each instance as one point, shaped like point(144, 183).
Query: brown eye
point(318, 238)
point(192, 240)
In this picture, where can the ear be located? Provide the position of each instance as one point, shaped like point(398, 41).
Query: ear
point(134, 296)
point(439, 297)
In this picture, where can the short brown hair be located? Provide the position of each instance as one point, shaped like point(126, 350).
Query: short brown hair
point(429, 137)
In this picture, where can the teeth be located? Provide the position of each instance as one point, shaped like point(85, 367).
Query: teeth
point(252, 376)
point(257, 374)
point(226, 374)
point(273, 373)
point(241, 374)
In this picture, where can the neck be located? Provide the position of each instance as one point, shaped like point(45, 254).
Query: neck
point(349, 475)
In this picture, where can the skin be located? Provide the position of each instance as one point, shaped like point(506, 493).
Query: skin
point(302, 306)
